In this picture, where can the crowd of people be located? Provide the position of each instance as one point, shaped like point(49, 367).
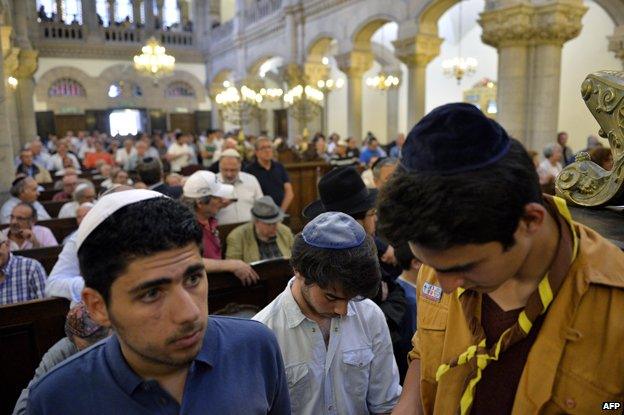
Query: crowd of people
point(429, 310)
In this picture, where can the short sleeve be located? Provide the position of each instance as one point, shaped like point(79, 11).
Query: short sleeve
point(284, 174)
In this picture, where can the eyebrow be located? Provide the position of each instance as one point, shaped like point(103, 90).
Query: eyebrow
point(192, 269)
point(334, 296)
point(457, 268)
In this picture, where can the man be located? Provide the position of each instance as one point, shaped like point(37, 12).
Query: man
point(395, 151)
point(265, 237)
point(340, 158)
point(22, 231)
point(150, 172)
point(39, 154)
point(32, 169)
point(81, 332)
point(228, 144)
point(550, 167)
point(246, 189)
point(179, 153)
point(271, 174)
point(140, 255)
point(21, 279)
point(382, 169)
point(204, 195)
point(84, 193)
point(23, 190)
point(99, 154)
point(125, 154)
point(63, 158)
point(372, 150)
point(567, 153)
point(69, 182)
point(337, 352)
point(519, 307)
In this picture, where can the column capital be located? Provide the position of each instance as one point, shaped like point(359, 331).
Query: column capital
point(616, 43)
point(418, 50)
point(525, 24)
point(315, 71)
point(27, 61)
point(355, 63)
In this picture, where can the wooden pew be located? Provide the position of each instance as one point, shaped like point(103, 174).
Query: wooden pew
point(27, 331)
point(47, 195)
point(304, 178)
point(61, 228)
point(46, 256)
point(53, 208)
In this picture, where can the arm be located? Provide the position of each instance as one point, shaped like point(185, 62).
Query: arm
point(65, 279)
point(410, 402)
point(289, 195)
point(37, 280)
point(244, 272)
point(234, 246)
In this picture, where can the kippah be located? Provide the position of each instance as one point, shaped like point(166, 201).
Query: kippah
point(334, 230)
point(108, 205)
point(454, 138)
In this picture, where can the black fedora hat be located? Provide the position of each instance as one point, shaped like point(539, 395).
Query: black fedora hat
point(341, 190)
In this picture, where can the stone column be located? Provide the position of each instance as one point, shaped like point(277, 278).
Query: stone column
point(416, 52)
point(59, 10)
point(7, 167)
point(616, 43)
point(24, 95)
point(89, 19)
point(136, 12)
point(111, 12)
point(159, 6)
point(392, 109)
point(529, 40)
point(149, 16)
point(354, 64)
point(184, 11)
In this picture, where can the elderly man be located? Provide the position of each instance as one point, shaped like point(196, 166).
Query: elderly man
point(63, 158)
point(340, 158)
point(24, 189)
point(69, 182)
point(22, 231)
point(246, 189)
point(395, 151)
point(150, 172)
point(21, 279)
point(99, 154)
point(271, 174)
point(204, 195)
point(40, 156)
point(179, 153)
point(29, 168)
point(382, 170)
point(166, 355)
point(335, 342)
point(265, 237)
point(125, 154)
point(84, 193)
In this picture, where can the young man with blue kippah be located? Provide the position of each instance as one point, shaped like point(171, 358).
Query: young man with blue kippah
point(519, 307)
point(140, 255)
point(335, 342)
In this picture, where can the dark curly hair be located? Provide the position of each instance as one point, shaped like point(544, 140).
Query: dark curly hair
point(475, 207)
point(134, 231)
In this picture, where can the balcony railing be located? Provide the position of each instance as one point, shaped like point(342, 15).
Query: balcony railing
point(60, 31)
point(122, 35)
point(223, 30)
point(261, 9)
point(174, 38)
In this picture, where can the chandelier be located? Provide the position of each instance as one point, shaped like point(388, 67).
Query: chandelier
point(154, 61)
point(238, 104)
point(271, 94)
point(382, 81)
point(459, 67)
point(304, 103)
point(328, 85)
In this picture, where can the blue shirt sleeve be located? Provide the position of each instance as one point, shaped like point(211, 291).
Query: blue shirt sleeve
point(284, 174)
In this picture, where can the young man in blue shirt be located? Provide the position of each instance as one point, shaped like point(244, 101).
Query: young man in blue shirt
point(139, 254)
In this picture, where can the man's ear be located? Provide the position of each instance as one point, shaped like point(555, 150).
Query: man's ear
point(96, 305)
point(533, 217)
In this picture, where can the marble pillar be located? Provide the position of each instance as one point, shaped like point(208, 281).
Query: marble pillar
point(416, 53)
point(89, 19)
point(529, 39)
point(392, 110)
point(7, 166)
point(354, 64)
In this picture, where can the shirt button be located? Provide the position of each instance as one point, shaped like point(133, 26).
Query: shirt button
point(570, 403)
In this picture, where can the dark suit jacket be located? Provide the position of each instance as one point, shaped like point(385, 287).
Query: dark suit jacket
point(174, 192)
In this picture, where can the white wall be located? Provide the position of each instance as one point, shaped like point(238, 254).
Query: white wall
point(228, 10)
point(94, 67)
point(581, 56)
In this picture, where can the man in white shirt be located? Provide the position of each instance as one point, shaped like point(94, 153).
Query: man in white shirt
point(179, 153)
point(246, 189)
point(62, 158)
point(125, 154)
point(335, 343)
point(23, 190)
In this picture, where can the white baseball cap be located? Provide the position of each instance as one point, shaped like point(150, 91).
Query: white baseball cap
point(204, 183)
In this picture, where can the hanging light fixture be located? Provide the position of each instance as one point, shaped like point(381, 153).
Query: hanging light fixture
point(459, 66)
point(12, 82)
point(153, 60)
point(382, 81)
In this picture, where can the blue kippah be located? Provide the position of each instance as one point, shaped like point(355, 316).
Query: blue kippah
point(334, 230)
point(454, 138)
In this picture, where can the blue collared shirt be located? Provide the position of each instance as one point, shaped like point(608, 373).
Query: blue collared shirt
point(239, 370)
point(24, 280)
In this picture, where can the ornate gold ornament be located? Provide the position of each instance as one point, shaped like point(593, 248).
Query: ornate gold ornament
point(584, 182)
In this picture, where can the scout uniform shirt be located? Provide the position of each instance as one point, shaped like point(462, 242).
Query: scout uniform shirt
point(575, 363)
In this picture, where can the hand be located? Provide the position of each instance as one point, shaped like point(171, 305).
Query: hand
point(244, 272)
point(27, 234)
point(388, 256)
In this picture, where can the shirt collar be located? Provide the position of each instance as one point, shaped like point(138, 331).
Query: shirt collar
point(237, 181)
point(155, 185)
point(294, 316)
point(7, 266)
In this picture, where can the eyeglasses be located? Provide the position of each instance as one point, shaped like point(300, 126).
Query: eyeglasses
point(20, 218)
point(264, 148)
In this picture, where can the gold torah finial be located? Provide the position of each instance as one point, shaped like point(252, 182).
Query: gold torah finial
point(584, 182)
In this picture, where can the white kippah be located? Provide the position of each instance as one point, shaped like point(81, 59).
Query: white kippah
point(108, 205)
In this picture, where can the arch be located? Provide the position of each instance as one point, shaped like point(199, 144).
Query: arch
point(50, 77)
point(216, 84)
point(254, 68)
point(364, 32)
point(320, 45)
point(67, 88)
point(179, 89)
point(190, 79)
point(430, 14)
point(614, 9)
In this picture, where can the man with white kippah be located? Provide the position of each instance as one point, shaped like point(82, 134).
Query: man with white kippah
point(335, 342)
point(84, 193)
point(204, 195)
point(140, 255)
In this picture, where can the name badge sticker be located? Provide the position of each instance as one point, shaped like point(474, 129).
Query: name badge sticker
point(432, 292)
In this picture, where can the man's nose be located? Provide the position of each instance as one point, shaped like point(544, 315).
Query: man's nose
point(341, 307)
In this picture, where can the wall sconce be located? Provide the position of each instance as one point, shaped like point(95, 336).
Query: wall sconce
point(12, 82)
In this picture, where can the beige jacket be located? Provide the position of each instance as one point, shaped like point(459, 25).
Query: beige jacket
point(241, 243)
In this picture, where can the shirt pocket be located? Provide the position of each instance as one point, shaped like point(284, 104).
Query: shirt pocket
point(356, 364)
point(298, 378)
point(574, 395)
point(431, 332)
